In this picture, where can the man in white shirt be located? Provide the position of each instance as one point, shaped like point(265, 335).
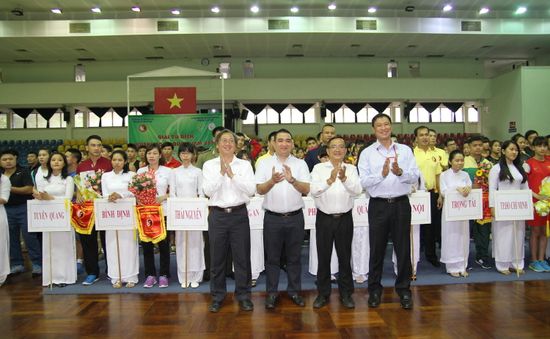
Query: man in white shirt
point(334, 186)
point(387, 171)
point(283, 179)
point(229, 182)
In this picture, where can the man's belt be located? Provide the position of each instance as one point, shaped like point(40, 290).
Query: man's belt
point(228, 209)
point(287, 214)
point(391, 200)
point(334, 215)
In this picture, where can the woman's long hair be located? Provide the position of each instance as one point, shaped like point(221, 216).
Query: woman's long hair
point(504, 170)
point(64, 171)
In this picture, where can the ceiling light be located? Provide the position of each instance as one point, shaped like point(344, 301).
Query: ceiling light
point(447, 8)
point(372, 10)
point(96, 10)
point(215, 9)
point(332, 6)
point(57, 11)
point(254, 9)
point(294, 9)
point(484, 10)
point(175, 11)
point(136, 9)
point(521, 10)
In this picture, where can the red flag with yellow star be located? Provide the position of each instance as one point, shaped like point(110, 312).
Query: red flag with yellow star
point(175, 100)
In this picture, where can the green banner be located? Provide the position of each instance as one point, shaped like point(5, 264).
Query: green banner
point(176, 128)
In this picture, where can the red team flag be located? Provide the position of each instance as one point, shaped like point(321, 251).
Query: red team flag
point(175, 100)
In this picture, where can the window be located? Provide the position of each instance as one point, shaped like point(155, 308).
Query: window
point(35, 120)
point(79, 119)
point(289, 115)
point(57, 121)
point(365, 115)
point(111, 119)
point(17, 121)
point(342, 115)
point(4, 120)
point(132, 112)
point(473, 114)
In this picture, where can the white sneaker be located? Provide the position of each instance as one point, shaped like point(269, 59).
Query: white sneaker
point(194, 284)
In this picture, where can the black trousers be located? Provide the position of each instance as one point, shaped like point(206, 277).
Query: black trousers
point(229, 262)
point(385, 219)
point(229, 231)
point(149, 258)
point(337, 230)
point(431, 233)
point(288, 233)
point(90, 250)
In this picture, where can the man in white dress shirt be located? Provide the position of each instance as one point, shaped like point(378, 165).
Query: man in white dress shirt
point(229, 182)
point(387, 171)
point(334, 186)
point(283, 179)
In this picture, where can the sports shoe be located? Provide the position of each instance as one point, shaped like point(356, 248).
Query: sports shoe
point(536, 266)
point(163, 281)
point(194, 284)
point(544, 265)
point(17, 269)
point(150, 282)
point(483, 264)
point(90, 280)
point(36, 269)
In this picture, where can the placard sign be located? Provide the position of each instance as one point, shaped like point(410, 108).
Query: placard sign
point(513, 205)
point(459, 208)
point(360, 212)
point(187, 214)
point(48, 216)
point(118, 215)
point(256, 213)
point(310, 213)
point(421, 211)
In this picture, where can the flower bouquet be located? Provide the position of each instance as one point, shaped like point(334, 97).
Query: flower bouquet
point(89, 184)
point(481, 179)
point(542, 207)
point(144, 188)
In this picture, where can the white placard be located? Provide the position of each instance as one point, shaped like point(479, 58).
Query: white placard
point(48, 216)
point(360, 212)
point(421, 211)
point(111, 216)
point(256, 213)
point(310, 213)
point(187, 214)
point(459, 208)
point(513, 205)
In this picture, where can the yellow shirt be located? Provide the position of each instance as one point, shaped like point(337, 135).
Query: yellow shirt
point(265, 156)
point(443, 158)
point(429, 165)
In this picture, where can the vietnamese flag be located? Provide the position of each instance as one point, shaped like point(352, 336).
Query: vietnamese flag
point(175, 100)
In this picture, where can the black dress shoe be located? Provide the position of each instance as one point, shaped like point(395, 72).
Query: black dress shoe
point(434, 262)
point(298, 300)
point(347, 301)
point(374, 299)
point(320, 301)
point(270, 302)
point(215, 306)
point(246, 305)
point(406, 301)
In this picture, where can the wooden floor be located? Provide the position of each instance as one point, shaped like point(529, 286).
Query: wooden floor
point(497, 310)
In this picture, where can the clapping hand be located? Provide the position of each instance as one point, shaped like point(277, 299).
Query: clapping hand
point(342, 173)
point(386, 168)
point(276, 177)
point(225, 168)
point(287, 172)
point(395, 168)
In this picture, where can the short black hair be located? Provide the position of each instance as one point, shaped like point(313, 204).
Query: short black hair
point(10, 151)
point(93, 137)
point(32, 152)
point(75, 153)
point(538, 141)
point(310, 138)
point(421, 127)
point(379, 116)
point(485, 139)
point(132, 146)
point(449, 140)
point(516, 137)
point(217, 129)
point(186, 147)
point(529, 133)
point(432, 130)
point(167, 144)
point(453, 154)
point(334, 138)
point(107, 147)
point(283, 130)
point(475, 137)
point(241, 134)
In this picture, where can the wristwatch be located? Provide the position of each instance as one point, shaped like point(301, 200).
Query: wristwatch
point(292, 180)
